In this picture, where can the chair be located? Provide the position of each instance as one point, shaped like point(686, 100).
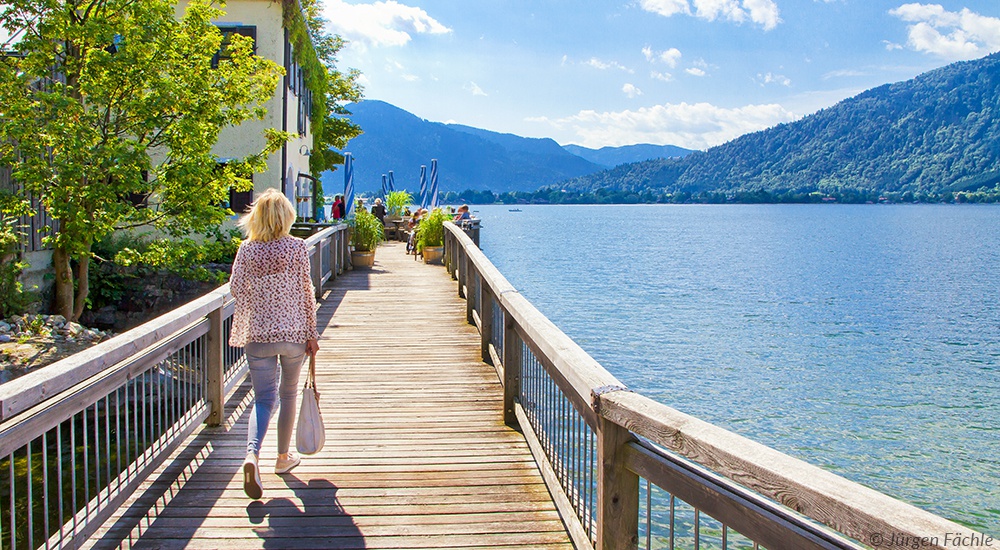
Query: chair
point(391, 229)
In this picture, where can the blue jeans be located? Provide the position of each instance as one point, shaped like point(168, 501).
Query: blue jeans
point(263, 360)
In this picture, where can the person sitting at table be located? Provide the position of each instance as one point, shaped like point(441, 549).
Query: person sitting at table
point(411, 243)
point(463, 213)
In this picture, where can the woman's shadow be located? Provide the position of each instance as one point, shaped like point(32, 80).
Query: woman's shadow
point(316, 520)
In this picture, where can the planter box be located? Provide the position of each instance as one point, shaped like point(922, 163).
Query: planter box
point(362, 259)
point(433, 254)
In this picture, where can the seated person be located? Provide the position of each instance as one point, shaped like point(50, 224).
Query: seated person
point(411, 243)
point(463, 213)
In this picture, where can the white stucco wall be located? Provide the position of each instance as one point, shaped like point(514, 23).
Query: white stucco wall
point(266, 16)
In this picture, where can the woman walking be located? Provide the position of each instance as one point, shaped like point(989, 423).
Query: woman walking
point(275, 323)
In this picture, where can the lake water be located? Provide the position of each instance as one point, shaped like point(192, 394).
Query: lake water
point(864, 339)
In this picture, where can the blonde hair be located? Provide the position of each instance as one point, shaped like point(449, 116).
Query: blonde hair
point(271, 217)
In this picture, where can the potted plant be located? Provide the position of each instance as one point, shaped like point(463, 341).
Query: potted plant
point(430, 236)
point(395, 202)
point(366, 234)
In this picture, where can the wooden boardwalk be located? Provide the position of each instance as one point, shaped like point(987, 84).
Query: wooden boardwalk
point(417, 454)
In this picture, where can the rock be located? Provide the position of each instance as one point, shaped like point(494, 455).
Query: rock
point(57, 320)
point(4, 327)
point(16, 319)
point(105, 317)
point(72, 329)
point(4, 338)
point(70, 340)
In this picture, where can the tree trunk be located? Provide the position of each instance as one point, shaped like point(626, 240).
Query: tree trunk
point(64, 283)
point(82, 284)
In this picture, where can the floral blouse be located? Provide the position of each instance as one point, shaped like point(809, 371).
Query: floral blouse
point(274, 293)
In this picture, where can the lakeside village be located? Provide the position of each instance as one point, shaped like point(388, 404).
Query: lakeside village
point(552, 195)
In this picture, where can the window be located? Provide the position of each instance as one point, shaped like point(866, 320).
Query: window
point(227, 32)
point(239, 201)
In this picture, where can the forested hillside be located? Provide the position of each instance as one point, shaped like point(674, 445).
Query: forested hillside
point(930, 136)
point(468, 158)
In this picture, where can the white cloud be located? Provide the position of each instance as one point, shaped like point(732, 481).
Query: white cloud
point(696, 126)
point(666, 77)
point(760, 12)
point(666, 8)
point(605, 65)
point(948, 34)
point(475, 89)
point(669, 57)
point(695, 71)
point(631, 91)
point(771, 78)
point(384, 23)
point(842, 73)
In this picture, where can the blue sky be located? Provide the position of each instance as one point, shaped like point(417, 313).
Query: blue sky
point(693, 73)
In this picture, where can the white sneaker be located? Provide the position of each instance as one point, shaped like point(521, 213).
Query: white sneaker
point(251, 478)
point(285, 465)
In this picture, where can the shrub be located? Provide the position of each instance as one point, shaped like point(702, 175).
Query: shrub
point(13, 298)
point(430, 232)
point(366, 232)
point(396, 201)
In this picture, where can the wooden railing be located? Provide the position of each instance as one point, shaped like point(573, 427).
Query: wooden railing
point(623, 468)
point(78, 436)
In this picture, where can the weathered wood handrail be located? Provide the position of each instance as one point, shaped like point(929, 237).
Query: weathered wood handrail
point(777, 500)
point(118, 409)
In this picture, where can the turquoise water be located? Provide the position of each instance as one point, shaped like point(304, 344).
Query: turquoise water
point(864, 339)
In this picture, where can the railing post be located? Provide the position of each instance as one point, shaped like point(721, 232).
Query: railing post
point(214, 376)
point(316, 270)
point(511, 369)
point(463, 273)
point(617, 490)
point(331, 257)
point(470, 286)
point(486, 321)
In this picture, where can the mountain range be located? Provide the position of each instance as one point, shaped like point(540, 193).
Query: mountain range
point(468, 158)
point(930, 136)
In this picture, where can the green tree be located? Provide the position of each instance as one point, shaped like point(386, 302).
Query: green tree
point(316, 50)
point(110, 103)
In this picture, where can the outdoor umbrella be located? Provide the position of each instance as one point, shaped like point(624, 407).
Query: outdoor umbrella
point(385, 192)
point(434, 183)
point(392, 182)
point(423, 186)
point(348, 184)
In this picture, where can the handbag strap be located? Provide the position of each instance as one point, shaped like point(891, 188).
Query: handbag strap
point(311, 375)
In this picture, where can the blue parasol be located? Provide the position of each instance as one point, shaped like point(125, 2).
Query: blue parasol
point(434, 183)
point(423, 186)
point(348, 184)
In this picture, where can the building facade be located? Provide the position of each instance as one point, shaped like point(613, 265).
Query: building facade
point(288, 110)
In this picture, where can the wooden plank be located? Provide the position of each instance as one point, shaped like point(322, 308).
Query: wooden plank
point(417, 455)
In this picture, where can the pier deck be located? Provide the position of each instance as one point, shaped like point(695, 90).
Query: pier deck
point(417, 453)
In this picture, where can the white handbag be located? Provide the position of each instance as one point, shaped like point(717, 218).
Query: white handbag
point(310, 435)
